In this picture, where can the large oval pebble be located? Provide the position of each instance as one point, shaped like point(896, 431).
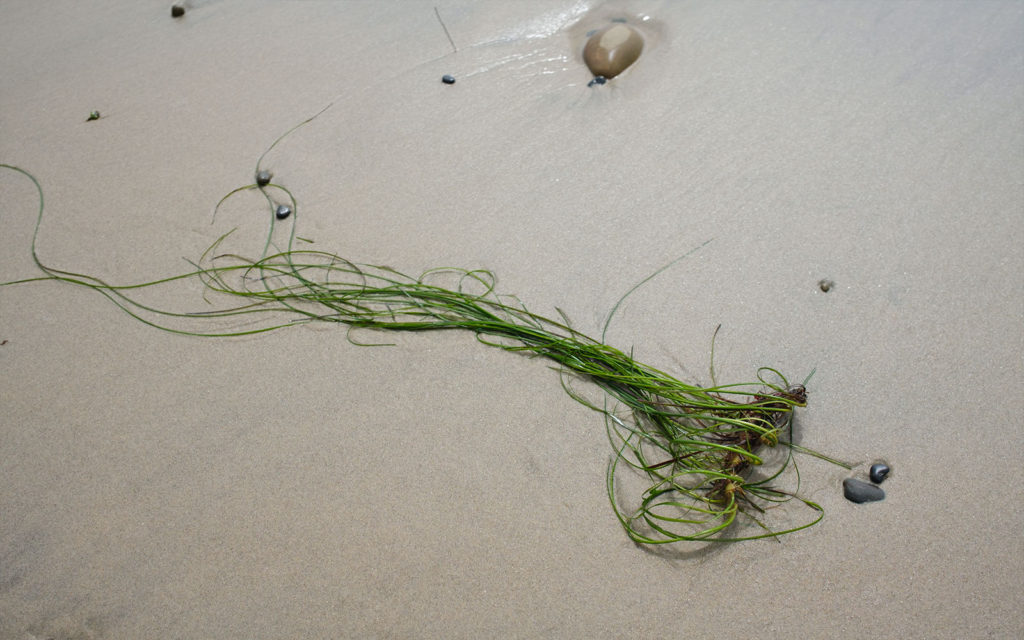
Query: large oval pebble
point(859, 491)
point(611, 50)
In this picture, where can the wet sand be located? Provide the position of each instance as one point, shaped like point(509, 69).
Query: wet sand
point(293, 485)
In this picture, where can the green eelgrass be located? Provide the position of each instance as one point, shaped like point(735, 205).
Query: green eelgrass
point(699, 449)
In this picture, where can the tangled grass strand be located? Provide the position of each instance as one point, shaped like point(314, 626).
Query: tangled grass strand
point(699, 450)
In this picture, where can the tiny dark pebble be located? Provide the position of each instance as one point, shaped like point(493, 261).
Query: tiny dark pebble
point(263, 178)
point(878, 472)
point(283, 211)
point(597, 80)
point(448, 79)
point(859, 491)
point(826, 285)
point(177, 10)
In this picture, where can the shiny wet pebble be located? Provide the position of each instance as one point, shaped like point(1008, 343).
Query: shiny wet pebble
point(448, 79)
point(612, 50)
point(263, 178)
point(878, 472)
point(283, 211)
point(177, 10)
point(859, 491)
point(597, 80)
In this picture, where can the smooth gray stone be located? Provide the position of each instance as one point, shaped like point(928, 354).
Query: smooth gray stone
point(879, 471)
point(859, 491)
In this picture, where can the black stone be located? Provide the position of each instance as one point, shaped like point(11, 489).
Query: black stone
point(263, 178)
point(283, 211)
point(177, 10)
point(448, 79)
point(879, 472)
point(859, 491)
point(597, 80)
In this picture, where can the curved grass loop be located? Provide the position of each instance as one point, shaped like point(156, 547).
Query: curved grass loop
point(698, 450)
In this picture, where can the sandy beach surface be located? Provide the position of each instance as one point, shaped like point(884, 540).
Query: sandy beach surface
point(292, 485)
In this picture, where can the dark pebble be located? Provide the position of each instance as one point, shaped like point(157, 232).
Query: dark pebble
point(263, 178)
point(879, 472)
point(447, 79)
point(826, 285)
point(859, 491)
point(283, 211)
point(177, 10)
point(597, 80)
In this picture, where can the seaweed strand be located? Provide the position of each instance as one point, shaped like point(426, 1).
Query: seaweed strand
point(699, 450)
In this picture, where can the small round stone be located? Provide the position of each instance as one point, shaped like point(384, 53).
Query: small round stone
point(263, 177)
point(177, 10)
point(283, 211)
point(879, 472)
point(448, 79)
point(597, 80)
point(612, 49)
point(859, 491)
point(826, 285)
